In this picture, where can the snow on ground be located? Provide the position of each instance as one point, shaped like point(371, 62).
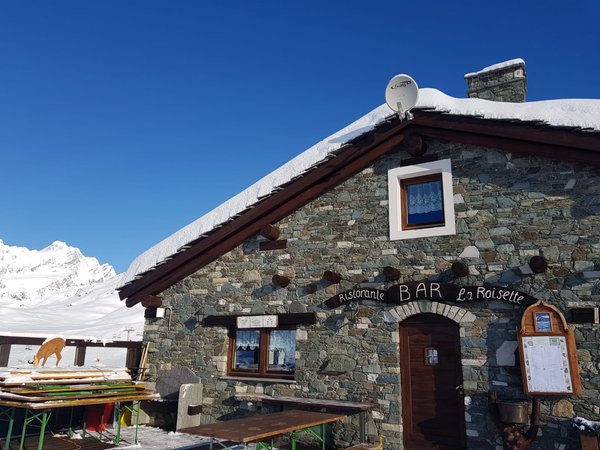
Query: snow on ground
point(149, 438)
point(569, 112)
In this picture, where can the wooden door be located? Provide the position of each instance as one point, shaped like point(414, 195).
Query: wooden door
point(432, 394)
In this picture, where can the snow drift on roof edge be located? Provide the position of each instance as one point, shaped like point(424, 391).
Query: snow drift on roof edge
point(571, 112)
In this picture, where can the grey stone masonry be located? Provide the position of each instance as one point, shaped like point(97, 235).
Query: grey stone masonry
point(506, 83)
point(508, 208)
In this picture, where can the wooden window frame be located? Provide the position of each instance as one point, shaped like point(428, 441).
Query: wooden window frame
point(263, 356)
point(399, 177)
point(403, 198)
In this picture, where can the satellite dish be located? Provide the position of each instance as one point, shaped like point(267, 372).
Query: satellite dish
point(401, 94)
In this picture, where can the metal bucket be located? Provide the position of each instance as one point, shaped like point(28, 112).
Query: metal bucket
point(513, 411)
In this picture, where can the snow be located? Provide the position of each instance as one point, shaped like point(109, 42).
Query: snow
point(585, 425)
point(583, 113)
point(151, 438)
point(502, 65)
point(58, 292)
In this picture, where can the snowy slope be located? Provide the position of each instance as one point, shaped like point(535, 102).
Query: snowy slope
point(58, 291)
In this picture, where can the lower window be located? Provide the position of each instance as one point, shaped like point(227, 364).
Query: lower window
point(262, 352)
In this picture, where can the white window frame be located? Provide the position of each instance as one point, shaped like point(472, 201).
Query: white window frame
point(395, 177)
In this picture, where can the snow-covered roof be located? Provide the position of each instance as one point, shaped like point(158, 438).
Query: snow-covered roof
point(502, 65)
point(570, 112)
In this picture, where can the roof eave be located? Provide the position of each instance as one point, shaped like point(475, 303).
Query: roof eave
point(563, 143)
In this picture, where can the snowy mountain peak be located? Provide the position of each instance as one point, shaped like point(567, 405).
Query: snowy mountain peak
point(57, 271)
point(59, 291)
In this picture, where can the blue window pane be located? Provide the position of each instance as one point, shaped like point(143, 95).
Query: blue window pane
point(424, 203)
point(282, 350)
point(247, 349)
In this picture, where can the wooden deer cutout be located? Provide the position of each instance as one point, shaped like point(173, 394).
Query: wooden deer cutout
point(51, 347)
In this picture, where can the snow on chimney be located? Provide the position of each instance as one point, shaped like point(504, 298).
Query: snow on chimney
point(503, 82)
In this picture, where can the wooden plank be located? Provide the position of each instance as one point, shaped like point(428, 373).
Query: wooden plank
point(283, 319)
point(44, 373)
point(64, 381)
point(272, 245)
point(58, 371)
point(73, 395)
point(80, 402)
point(263, 426)
point(307, 402)
point(67, 388)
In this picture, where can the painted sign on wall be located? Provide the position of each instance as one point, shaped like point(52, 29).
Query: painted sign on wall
point(426, 290)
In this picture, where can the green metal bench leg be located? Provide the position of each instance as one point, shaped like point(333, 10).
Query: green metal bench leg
point(11, 421)
point(118, 409)
point(321, 436)
point(45, 420)
point(30, 416)
point(135, 409)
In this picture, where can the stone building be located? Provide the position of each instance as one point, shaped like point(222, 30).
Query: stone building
point(324, 280)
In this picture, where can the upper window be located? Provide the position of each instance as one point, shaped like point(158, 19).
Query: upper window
point(262, 352)
point(421, 201)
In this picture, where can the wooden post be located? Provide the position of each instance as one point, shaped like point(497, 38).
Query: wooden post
point(4, 354)
point(271, 232)
point(332, 277)
point(151, 301)
point(460, 269)
point(538, 264)
point(80, 355)
point(280, 280)
point(132, 360)
point(414, 145)
point(391, 273)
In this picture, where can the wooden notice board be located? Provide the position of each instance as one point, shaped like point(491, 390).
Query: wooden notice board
point(548, 353)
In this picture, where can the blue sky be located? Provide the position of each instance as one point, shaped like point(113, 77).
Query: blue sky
point(123, 121)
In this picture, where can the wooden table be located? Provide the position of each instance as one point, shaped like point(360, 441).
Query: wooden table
point(344, 406)
point(39, 413)
point(263, 427)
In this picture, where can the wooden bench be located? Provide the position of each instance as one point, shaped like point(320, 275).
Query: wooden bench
point(298, 402)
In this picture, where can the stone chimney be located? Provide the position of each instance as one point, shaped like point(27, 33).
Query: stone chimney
point(503, 82)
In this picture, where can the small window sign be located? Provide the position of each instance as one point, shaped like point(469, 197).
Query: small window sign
point(257, 321)
point(542, 322)
point(431, 356)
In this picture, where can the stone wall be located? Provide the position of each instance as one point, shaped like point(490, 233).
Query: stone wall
point(508, 207)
